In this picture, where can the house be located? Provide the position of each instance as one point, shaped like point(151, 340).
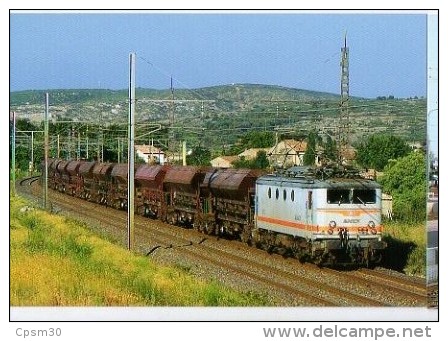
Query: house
point(150, 154)
point(415, 146)
point(224, 161)
point(386, 206)
point(287, 153)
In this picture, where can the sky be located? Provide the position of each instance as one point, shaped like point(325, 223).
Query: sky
point(54, 50)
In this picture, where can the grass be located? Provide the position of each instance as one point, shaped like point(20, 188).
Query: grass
point(55, 261)
point(406, 249)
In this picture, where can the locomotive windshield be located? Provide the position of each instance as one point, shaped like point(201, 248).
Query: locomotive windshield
point(364, 196)
point(338, 196)
point(350, 196)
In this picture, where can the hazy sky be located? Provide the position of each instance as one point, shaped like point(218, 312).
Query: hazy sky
point(79, 50)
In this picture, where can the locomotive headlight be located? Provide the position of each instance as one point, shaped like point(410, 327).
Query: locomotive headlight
point(332, 224)
point(371, 224)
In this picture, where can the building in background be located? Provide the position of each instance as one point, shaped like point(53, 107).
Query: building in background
point(151, 154)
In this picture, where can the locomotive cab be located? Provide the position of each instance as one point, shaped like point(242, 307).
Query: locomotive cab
point(349, 220)
point(334, 220)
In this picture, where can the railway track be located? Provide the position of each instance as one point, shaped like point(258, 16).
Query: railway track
point(433, 296)
point(304, 289)
point(164, 240)
point(387, 284)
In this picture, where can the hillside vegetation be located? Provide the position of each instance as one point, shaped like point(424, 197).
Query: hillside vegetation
point(218, 116)
point(55, 261)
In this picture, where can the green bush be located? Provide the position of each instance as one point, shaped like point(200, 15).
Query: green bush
point(405, 180)
point(377, 150)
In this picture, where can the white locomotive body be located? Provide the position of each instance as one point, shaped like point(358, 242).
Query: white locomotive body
point(325, 219)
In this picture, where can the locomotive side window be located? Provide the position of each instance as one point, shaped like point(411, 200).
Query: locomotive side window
point(284, 194)
point(276, 193)
point(269, 192)
point(364, 196)
point(292, 195)
point(338, 196)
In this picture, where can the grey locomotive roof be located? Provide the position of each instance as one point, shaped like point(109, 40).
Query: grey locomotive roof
point(310, 182)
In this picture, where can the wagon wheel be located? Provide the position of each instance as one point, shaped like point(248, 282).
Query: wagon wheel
point(321, 259)
point(298, 253)
point(203, 225)
point(369, 261)
point(300, 250)
point(246, 235)
point(172, 218)
point(209, 228)
point(256, 238)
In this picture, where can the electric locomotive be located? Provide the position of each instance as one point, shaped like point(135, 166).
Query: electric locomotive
point(323, 217)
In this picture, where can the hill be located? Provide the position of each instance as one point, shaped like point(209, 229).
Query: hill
point(217, 116)
point(234, 93)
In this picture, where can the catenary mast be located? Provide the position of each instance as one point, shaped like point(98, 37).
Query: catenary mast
point(344, 118)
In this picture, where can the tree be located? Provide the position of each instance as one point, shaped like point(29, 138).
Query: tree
point(260, 162)
point(241, 163)
point(405, 179)
point(252, 139)
point(330, 149)
point(199, 156)
point(309, 156)
point(258, 139)
point(377, 150)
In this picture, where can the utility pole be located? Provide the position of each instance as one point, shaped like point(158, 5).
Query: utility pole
point(102, 145)
point(59, 148)
point(78, 154)
point(87, 143)
point(45, 183)
point(118, 150)
point(171, 143)
point(184, 153)
point(131, 138)
point(172, 102)
point(32, 153)
point(98, 153)
point(70, 131)
point(13, 151)
point(344, 118)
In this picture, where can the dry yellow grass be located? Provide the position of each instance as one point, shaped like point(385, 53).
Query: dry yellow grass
point(54, 261)
point(406, 247)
